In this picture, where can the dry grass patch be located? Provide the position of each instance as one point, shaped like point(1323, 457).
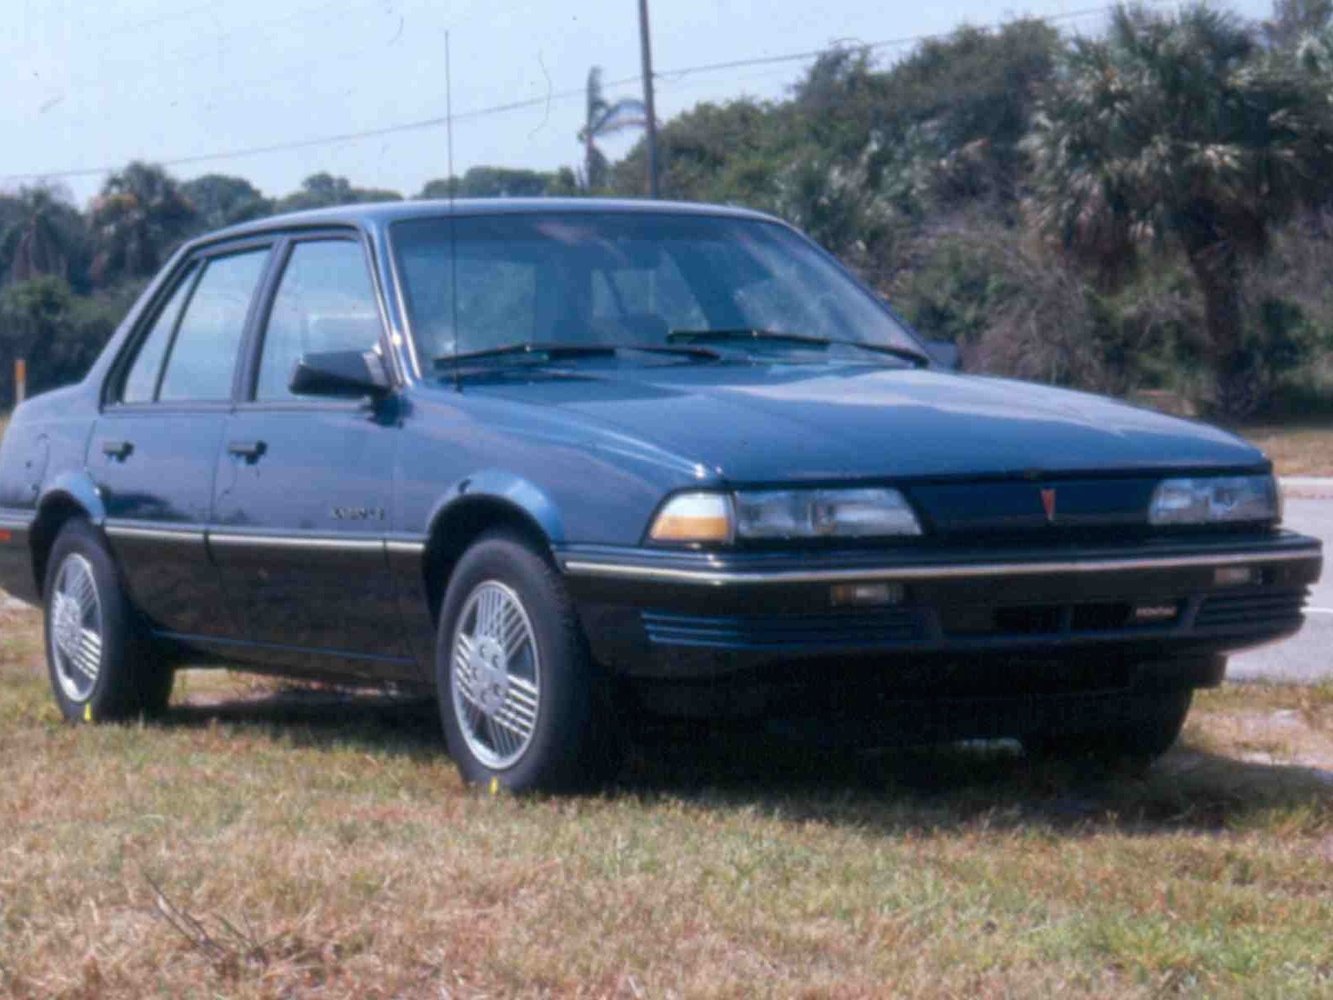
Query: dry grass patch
point(1297, 449)
point(260, 844)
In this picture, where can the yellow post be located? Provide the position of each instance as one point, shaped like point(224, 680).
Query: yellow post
point(20, 380)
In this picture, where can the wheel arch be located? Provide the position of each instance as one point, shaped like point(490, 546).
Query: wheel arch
point(486, 502)
point(67, 497)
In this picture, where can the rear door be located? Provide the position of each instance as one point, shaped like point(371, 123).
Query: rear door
point(155, 444)
point(303, 486)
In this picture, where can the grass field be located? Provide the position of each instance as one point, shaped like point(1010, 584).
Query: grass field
point(263, 844)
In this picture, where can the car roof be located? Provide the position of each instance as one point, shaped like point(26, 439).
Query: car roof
point(374, 215)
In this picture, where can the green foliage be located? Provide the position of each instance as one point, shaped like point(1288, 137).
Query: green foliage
point(1174, 129)
point(952, 113)
point(57, 332)
point(324, 189)
point(42, 233)
point(713, 152)
point(219, 200)
point(504, 182)
point(139, 218)
point(953, 292)
point(1295, 20)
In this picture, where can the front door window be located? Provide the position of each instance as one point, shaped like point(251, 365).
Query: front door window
point(324, 303)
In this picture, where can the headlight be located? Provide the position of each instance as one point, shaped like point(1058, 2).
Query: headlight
point(824, 514)
point(694, 517)
point(1216, 500)
point(780, 514)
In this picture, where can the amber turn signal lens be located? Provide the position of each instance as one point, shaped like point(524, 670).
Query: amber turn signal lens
point(694, 517)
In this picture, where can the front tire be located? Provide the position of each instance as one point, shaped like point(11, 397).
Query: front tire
point(102, 665)
point(522, 705)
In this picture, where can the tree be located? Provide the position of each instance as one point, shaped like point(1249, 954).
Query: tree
point(59, 333)
point(942, 126)
point(1174, 130)
point(324, 189)
point(219, 200)
point(503, 182)
point(41, 233)
point(1295, 20)
point(603, 118)
point(136, 221)
point(730, 152)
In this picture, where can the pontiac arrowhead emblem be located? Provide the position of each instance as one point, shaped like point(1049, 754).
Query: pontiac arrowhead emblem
point(1048, 504)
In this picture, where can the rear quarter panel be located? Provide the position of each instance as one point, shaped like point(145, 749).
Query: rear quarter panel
point(43, 444)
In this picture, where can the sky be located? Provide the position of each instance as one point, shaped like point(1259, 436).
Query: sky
point(89, 85)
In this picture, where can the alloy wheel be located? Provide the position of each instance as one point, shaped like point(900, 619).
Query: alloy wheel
point(496, 673)
point(76, 628)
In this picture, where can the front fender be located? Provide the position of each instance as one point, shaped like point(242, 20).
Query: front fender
point(507, 488)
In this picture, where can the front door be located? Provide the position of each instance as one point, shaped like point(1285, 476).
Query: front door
point(303, 486)
point(155, 445)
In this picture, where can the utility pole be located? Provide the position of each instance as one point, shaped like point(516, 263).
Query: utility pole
point(650, 111)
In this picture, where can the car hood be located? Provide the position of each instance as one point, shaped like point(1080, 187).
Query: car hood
point(765, 423)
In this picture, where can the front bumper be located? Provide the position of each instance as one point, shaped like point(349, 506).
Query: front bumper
point(678, 615)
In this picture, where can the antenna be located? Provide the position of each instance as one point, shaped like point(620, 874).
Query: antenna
point(453, 186)
point(449, 117)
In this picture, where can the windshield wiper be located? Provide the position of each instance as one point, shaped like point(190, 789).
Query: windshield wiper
point(556, 351)
point(799, 339)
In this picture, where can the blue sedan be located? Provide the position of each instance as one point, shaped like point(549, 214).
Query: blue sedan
point(570, 463)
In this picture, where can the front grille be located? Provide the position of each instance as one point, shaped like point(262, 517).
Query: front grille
point(1011, 621)
point(784, 631)
point(1252, 609)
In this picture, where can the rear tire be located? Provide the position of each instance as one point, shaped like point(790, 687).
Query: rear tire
point(102, 664)
point(523, 706)
point(1134, 731)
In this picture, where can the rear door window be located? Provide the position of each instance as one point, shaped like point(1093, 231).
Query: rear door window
point(140, 384)
point(202, 359)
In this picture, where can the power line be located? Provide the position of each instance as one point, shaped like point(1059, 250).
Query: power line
point(889, 43)
point(519, 105)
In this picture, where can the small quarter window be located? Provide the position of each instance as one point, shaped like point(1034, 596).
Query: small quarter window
point(202, 359)
point(325, 302)
point(141, 381)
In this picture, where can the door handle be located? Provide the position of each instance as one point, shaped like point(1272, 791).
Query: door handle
point(251, 451)
point(118, 450)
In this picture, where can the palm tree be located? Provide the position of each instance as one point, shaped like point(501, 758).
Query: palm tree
point(42, 234)
point(1181, 131)
point(602, 119)
point(139, 215)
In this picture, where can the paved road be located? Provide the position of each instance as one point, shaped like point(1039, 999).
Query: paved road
point(1307, 656)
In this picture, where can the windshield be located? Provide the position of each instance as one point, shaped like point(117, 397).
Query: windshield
point(625, 280)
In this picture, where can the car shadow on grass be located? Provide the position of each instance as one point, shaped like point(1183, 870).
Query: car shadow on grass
point(891, 790)
point(993, 782)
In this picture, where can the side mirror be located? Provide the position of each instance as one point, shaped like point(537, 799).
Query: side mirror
point(945, 353)
point(340, 373)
